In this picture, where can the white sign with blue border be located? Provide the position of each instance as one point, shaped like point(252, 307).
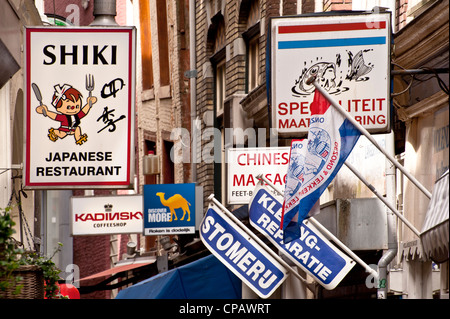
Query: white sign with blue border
point(242, 255)
point(312, 252)
point(169, 209)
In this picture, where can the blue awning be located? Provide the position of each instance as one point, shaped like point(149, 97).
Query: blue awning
point(206, 278)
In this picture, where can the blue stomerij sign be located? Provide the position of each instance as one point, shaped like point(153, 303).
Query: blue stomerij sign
point(242, 255)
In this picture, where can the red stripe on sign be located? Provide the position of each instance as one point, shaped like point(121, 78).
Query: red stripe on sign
point(332, 27)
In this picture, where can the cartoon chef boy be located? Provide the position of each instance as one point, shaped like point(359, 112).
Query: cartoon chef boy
point(67, 102)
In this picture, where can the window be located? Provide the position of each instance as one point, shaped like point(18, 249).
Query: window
point(146, 44)
point(253, 63)
point(251, 32)
point(161, 15)
point(220, 87)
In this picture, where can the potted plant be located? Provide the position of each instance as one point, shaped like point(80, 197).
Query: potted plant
point(8, 257)
point(23, 274)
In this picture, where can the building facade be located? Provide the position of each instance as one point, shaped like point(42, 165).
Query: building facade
point(231, 93)
point(422, 109)
point(15, 15)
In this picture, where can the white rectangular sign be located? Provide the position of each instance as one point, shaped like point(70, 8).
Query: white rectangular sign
point(244, 164)
point(79, 107)
point(102, 215)
point(350, 57)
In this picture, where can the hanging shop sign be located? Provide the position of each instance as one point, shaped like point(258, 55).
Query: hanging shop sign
point(107, 215)
point(350, 57)
point(245, 164)
point(312, 252)
point(239, 253)
point(169, 209)
point(79, 107)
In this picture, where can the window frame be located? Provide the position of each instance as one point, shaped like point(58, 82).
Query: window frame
point(252, 66)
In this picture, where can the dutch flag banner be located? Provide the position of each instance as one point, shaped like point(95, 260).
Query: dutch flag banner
point(314, 163)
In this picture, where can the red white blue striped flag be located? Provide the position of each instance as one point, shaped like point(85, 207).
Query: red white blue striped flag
point(315, 162)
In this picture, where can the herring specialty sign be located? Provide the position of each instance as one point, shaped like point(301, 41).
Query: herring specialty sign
point(79, 107)
point(349, 54)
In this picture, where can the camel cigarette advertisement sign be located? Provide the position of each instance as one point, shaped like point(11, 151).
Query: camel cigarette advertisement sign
point(79, 107)
point(169, 209)
point(107, 215)
point(350, 57)
point(245, 164)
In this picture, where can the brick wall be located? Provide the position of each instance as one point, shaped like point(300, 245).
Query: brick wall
point(401, 6)
point(91, 254)
point(64, 8)
point(234, 16)
point(337, 5)
point(307, 6)
point(289, 7)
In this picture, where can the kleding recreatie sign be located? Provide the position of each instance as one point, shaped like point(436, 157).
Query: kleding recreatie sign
point(312, 252)
point(79, 107)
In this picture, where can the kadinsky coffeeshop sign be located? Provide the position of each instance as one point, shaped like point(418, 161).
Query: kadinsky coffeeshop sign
point(79, 107)
point(102, 215)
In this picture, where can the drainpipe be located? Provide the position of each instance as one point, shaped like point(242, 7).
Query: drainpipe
point(193, 83)
point(104, 13)
point(391, 252)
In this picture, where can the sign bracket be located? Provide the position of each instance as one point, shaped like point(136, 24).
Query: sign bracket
point(328, 234)
point(260, 242)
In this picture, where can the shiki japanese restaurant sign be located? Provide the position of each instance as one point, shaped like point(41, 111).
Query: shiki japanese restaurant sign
point(246, 163)
point(79, 107)
point(106, 215)
point(350, 57)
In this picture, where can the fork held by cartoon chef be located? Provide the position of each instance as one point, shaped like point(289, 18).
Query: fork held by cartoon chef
point(68, 101)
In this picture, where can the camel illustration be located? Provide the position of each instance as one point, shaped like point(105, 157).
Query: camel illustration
point(174, 202)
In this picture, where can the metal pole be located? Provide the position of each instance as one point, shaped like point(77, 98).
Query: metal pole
point(328, 234)
point(369, 137)
point(419, 71)
point(259, 241)
point(389, 205)
point(104, 13)
point(391, 252)
point(193, 88)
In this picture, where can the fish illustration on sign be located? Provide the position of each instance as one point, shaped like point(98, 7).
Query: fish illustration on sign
point(329, 74)
point(325, 72)
point(358, 68)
